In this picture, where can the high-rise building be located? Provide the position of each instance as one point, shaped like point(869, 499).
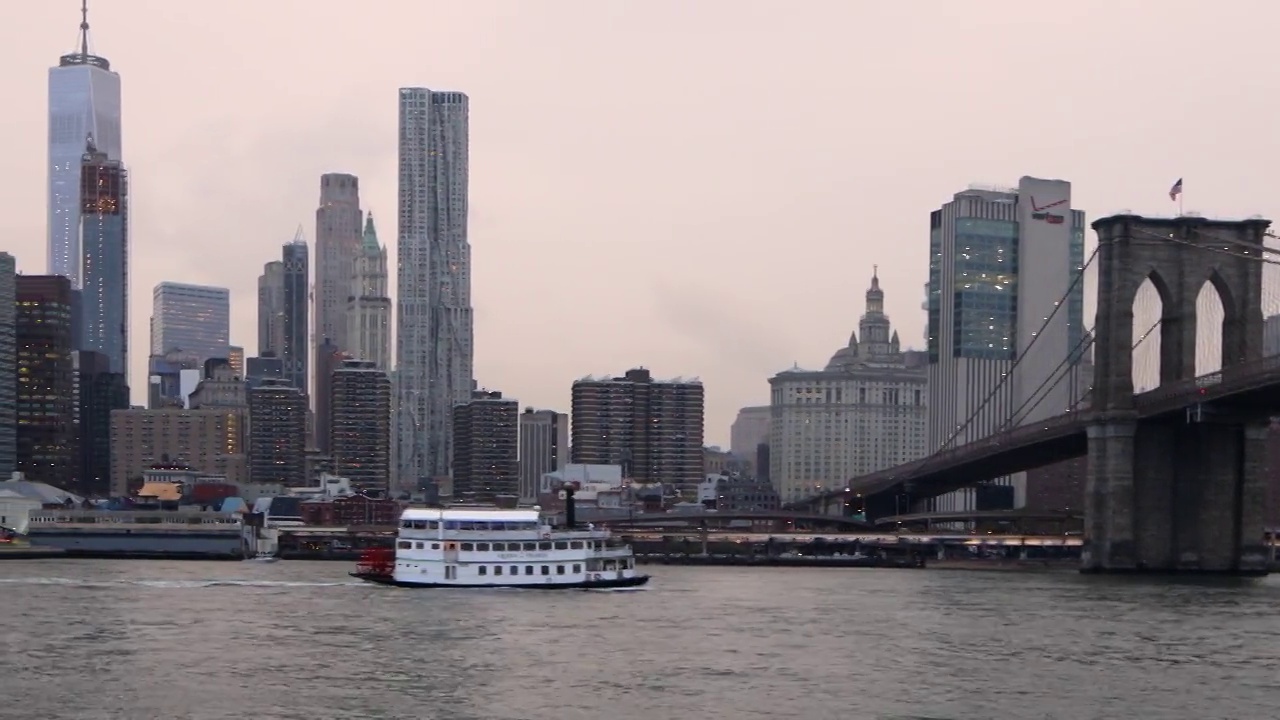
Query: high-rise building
point(296, 325)
point(433, 303)
point(544, 448)
point(337, 246)
point(8, 366)
point(195, 319)
point(652, 428)
point(369, 303)
point(485, 465)
point(257, 369)
point(999, 263)
point(360, 426)
point(193, 437)
point(99, 391)
point(271, 309)
point(329, 357)
point(235, 356)
point(46, 403)
point(164, 378)
point(84, 103)
point(104, 271)
point(278, 434)
point(865, 411)
point(749, 429)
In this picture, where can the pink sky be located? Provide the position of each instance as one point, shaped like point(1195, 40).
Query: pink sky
point(697, 187)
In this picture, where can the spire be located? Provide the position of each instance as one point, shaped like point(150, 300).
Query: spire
point(370, 234)
point(299, 237)
point(81, 56)
point(84, 28)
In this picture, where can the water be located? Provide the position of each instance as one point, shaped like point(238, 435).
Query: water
point(143, 640)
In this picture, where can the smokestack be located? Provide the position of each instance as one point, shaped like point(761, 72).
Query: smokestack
point(570, 514)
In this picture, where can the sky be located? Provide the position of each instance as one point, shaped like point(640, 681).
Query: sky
point(699, 188)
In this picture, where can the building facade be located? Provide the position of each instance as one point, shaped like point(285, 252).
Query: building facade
point(865, 411)
point(433, 303)
point(195, 319)
point(235, 356)
point(544, 448)
point(337, 246)
point(999, 262)
point(171, 436)
point(278, 434)
point(749, 429)
point(164, 378)
point(104, 271)
point(369, 303)
point(99, 391)
point(329, 357)
point(46, 404)
point(652, 428)
point(84, 103)
point(8, 365)
point(295, 325)
point(271, 310)
point(360, 426)
point(486, 467)
point(257, 369)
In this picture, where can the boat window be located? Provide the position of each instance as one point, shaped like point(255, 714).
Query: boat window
point(482, 547)
point(497, 569)
point(450, 525)
point(577, 569)
point(463, 525)
point(499, 547)
point(528, 547)
point(435, 546)
point(482, 570)
point(419, 525)
point(528, 569)
point(562, 545)
point(406, 524)
point(546, 569)
point(467, 547)
point(576, 544)
point(626, 564)
point(433, 524)
point(515, 569)
point(419, 546)
point(544, 546)
point(559, 569)
point(404, 544)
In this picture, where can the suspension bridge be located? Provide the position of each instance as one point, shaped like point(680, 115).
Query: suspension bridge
point(1173, 424)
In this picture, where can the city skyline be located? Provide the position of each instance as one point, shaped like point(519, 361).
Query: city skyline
point(578, 199)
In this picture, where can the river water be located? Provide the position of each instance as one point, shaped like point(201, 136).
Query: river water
point(159, 640)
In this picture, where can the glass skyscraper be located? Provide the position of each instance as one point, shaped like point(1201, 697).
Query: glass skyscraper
point(104, 269)
point(296, 319)
point(195, 319)
point(8, 366)
point(84, 104)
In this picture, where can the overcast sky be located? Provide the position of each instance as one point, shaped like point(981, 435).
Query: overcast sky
point(700, 187)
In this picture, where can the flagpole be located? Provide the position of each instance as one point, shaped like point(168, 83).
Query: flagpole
point(1180, 203)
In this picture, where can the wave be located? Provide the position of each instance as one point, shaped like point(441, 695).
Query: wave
point(170, 584)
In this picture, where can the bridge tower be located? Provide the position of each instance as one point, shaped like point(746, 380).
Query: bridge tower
point(1184, 492)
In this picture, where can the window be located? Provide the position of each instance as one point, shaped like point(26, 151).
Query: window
point(546, 569)
point(559, 569)
point(433, 524)
point(467, 547)
point(419, 545)
point(576, 545)
point(528, 569)
point(562, 545)
point(515, 569)
point(404, 544)
point(499, 547)
point(482, 570)
point(544, 546)
point(435, 546)
point(497, 569)
point(482, 547)
point(529, 547)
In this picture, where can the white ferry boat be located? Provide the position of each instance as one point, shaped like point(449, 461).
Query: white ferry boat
point(486, 547)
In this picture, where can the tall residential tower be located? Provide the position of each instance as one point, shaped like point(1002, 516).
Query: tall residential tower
point(433, 304)
point(84, 102)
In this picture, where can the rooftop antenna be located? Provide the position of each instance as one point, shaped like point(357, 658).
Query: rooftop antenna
point(84, 28)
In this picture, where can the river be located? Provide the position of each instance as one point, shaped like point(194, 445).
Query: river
point(203, 641)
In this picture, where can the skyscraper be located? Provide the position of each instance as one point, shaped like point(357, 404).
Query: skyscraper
point(8, 366)
point(84, 102)
point(433, 306)
point(99, 391)
point(271, 309)
point(294, 304)
point(278, 434)
point(544, 448)
point(46, 386)
point(360, 425)
point(999, 262)
point(328, 359)
point(104, 269)
point(369, 306)
point(486, 431)
point(192, 318)
point(337, 246)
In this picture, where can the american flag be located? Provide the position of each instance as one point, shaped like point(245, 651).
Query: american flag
point(1176, 190)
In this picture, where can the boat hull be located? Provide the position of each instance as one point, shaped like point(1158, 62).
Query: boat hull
point(602, 584)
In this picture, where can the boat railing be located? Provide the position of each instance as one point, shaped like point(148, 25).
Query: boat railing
point(132, 517)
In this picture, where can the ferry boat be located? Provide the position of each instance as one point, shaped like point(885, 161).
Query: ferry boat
point(491, 548)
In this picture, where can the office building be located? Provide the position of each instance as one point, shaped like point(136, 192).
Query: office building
point(278, 434)
point(195, 319)
point(99, 391)
point(235, 356)
point(165, 386)
point(1000, 260)
point(544, 448)
point(271, 310)
point(369, 303)
point(652, 428)
point(258, 369)
point(865, 411)
point(329, 357)
point(337, 245)
point(103, 301)
point(749, 429)
point(8, 366)
point(46, 405)
point(433, 302)
point(196, 438)
point(295, 304)
point(84, 103)
point(360, 426)
point(486, 467)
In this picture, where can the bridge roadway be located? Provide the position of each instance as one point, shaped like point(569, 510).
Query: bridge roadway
point(1247, 388)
